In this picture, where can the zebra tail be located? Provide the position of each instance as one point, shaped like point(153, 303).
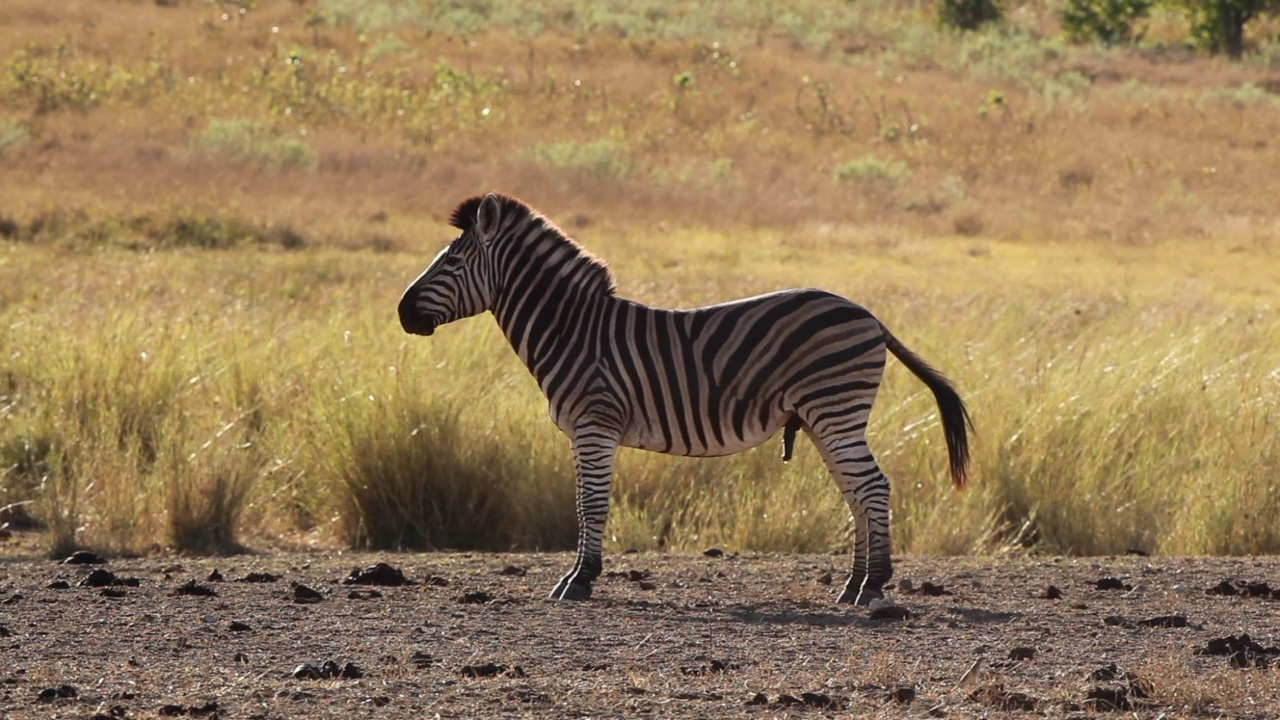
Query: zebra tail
point(956, 423)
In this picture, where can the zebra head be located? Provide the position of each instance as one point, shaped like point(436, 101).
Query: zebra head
point(458, 282)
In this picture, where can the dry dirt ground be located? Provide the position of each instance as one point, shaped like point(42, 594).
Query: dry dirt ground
point(665, 636)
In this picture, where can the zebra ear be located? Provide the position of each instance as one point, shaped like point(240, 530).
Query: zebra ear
point(487, 217)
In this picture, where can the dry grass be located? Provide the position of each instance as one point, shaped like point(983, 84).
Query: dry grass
point(207, 233)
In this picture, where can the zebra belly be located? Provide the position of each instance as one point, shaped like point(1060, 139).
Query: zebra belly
point(671, 440)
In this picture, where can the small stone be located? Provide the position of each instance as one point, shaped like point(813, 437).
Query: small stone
point(305, 595)
point(84, 557)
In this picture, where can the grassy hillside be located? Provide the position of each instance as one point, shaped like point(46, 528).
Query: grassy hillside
point(207, 231)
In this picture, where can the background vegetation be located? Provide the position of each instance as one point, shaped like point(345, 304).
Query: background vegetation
point(205, 235)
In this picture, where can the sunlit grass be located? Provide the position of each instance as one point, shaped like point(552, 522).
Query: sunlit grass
point(174, 394)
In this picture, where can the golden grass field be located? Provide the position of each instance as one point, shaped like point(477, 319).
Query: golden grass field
point(209, 215)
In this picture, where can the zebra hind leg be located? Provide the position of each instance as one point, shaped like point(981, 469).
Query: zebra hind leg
point(593, 454)
point(866, 490)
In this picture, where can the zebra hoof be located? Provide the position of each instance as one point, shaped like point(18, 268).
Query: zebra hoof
point(860, 596)
point(571, 591)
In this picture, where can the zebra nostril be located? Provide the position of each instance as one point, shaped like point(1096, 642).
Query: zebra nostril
point(413, 320)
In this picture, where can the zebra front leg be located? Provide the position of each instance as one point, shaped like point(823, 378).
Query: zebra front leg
point(593, 453)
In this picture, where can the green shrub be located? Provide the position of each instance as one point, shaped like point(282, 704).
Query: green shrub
point(598, 158)
point(969, 14)
point(252, 142)
point(1108, 21)
point(872, 172)
point(1218, 25)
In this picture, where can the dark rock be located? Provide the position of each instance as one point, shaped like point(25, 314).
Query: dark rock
point(214, 576)
point(488, 669)
point(258, 577)
point(59, 585)
point(932, 590)
point(98, 578)
point(237, 626)
point(307, 671)
point(195, 589)
point(1257, 589)
point(1224, 588)
point(60, 692)
point(84, 557)
point(890, 612)
point(713, 552)
point(377, 574)
point(1111, 583)
point(513, 571)
point(1165, 621)
point(5, 631)
point(305, 595)
point(1105, 673)
point(819, 700)
point(1108, 699)
point(478, 597)
point(1052, 593)
point(1022, 653)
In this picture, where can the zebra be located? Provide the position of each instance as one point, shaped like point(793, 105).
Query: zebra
point(703, 382)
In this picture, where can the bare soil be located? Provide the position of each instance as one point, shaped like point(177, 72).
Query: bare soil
point(664, 636)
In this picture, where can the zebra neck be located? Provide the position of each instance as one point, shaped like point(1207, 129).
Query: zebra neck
point(552, 324)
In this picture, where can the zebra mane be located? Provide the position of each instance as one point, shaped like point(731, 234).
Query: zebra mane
point(594, 271)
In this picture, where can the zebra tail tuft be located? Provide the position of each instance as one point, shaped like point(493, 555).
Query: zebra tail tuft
point(956, 423)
